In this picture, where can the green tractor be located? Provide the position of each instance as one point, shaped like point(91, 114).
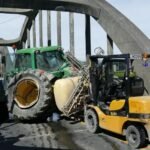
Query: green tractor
point(31, 86)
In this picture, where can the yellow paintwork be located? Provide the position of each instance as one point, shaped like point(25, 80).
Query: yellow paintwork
point(115, 123)
point(116, 105)
point(111, 123)
point(140, 105)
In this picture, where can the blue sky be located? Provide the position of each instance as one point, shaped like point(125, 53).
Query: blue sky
point(138, 11)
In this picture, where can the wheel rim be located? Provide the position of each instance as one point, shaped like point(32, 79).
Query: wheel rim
point(90, 121)
point(133, 137)
point(26, 93)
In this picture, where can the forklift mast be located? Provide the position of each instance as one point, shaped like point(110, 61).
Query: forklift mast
point(1, 66)
point(112, 77)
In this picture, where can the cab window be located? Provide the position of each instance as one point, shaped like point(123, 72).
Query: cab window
point(23, 61)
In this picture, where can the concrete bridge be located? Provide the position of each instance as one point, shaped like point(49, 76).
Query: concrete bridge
point(119, 30)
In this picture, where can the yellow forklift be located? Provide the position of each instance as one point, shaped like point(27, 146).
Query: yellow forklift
point(116, 99)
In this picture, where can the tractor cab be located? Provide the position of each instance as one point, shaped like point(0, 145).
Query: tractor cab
point(49, 59)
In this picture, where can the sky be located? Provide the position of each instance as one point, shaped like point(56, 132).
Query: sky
point(138, 11)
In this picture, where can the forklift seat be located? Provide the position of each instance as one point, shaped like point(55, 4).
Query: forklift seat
point(116, 105)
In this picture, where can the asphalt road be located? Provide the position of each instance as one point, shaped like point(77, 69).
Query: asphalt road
point(63, 135)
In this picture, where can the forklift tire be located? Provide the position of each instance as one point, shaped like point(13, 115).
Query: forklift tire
point(30, 96)
point(136, 136)
point(91, 121)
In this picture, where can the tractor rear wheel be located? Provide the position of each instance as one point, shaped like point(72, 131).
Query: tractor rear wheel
point(91, 121)
point(30, 95)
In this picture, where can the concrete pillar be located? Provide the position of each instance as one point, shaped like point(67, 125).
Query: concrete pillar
point(59, 28)
point(23, 44)
point(71, 27)
point(88, 34)
point(40, 28)
point(34, 33)
point(48, 28)
point(109, 45)
point(28, 38)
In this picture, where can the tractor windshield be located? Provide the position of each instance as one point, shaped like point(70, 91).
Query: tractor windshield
point(23, 61)
point(50, 61)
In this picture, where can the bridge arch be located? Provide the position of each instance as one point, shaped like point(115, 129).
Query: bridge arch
point(120, 30)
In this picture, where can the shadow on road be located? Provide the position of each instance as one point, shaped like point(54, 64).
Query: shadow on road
point(13, 139)
point(7, 126)
point(63, 136)
point(109, 140)
point(3, 112)
point(119, 137)
point(9, 144)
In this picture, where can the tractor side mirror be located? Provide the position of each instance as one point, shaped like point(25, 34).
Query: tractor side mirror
point(3, 60)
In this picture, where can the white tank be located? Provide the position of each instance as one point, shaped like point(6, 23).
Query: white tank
point(63, 89)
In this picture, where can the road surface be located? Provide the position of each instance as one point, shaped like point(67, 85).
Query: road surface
point(62, 135)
